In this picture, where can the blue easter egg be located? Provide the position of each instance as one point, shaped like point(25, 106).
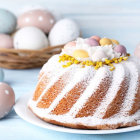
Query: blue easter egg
point(1, 75)
point(8, 21)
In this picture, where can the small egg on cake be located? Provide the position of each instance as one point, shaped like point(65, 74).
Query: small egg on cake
point(105, 41)
point(92, 42)
point(6, 41)
point(115, 41)
point(99, 55)
point(69, 47)
point(96, 37)
point(30, 38)
point(63, 31)
point(7, 99)
point(39, 18)
point(120, 49)
point(79, 53)
point(7, 22)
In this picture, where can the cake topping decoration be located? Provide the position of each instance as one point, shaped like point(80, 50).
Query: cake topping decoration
point(115, 41)
point(120, 49)
point(92, 42)
point(105, 41)
point(96, 37)
point(80, 54)
point(85, 53)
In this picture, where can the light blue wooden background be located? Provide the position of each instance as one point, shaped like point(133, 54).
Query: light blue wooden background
point(119, 19)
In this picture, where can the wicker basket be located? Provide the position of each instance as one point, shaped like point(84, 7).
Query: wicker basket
point(24, 59)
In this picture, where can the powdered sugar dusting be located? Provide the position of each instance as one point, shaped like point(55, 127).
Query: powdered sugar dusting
point(93, 85)
point(76, 79)
point(118, 77)
point(129, 69)
point(133, 88)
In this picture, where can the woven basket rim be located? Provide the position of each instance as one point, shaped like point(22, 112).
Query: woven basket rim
point(24, 59)
point(30, 50)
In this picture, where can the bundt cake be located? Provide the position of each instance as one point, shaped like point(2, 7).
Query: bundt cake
point(92, 84)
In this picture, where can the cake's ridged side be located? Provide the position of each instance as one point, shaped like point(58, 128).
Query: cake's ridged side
point(97, 96)
point(93, 85)
point(95, 100)
point(132, 89)
point(115, 106)
point(67, 102)
point(123, 91)
point(40, 87)
point(136, 103)
point(117, 78)
point(54, 90)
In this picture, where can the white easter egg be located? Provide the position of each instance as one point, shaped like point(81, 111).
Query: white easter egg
point(30, 38)
point(63, 31)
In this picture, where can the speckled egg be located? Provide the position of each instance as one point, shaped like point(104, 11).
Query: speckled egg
point(98, 55)
point(79, 53)
point(7, 21)
point(30, 38)
point(6, 41)
point(120, 49)
point(105, 41)
point(96, 37)
point(137, 51)
point(1, 75)
point(7, 99)
point(39, 18)
point(92, 42)
point(63, 31)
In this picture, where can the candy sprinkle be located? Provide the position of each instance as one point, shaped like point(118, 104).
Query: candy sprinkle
point(71, 60)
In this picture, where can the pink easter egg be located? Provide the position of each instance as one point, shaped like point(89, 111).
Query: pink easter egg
point(120, 49)
point(6, 41)
point(92, 42)
point(70, 44)
point(96, 37)
point(41, 19)
point(69, 47)
point(7, 99)
point(137, 51)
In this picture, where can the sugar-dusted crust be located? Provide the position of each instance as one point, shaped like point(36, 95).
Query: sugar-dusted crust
point(80, 126)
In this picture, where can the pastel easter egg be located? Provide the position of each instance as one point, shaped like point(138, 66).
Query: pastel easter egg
point(7, 21)
point(92, 42)
point(63, 31)
point(70, 44)
point(80, 53)
point(96, 37)
point(115, 41)
point(30, 38)
point(7, 99)
point(137, 51)
point(98, 55)
point(120, 49)
point(69, 48)
point(1, 75)
point(105, 41)
point(39, 18)
point(6, 41)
